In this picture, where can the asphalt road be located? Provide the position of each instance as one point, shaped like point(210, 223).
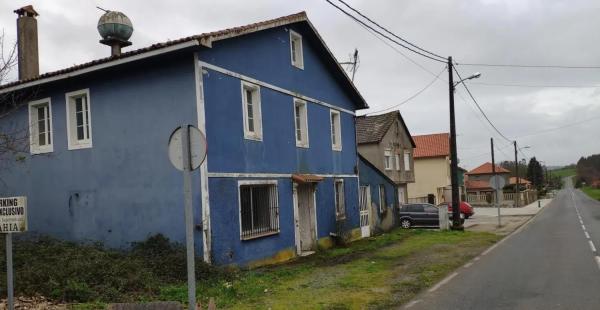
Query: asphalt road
point(550, 263)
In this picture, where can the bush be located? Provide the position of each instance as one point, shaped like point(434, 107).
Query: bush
point(70, 272)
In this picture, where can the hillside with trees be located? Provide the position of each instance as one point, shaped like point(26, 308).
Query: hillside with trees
point(588, 170)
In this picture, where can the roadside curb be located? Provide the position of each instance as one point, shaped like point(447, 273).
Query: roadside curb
point(455, 272)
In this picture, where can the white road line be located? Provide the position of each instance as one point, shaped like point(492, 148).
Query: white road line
point(586, 234)
point(412, 303)
point(477, 258)
point(592, 246)
point(467, 265)
point(446, 280)
point(598, 261)
point(583, 227)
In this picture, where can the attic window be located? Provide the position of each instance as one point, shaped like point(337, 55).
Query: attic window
point(296, 50)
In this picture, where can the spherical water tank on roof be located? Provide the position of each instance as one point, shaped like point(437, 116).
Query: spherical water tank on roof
point(115, 25)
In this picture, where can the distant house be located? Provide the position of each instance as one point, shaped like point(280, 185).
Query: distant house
point(378, 199)
point(477, 181)
point(432, 169)
point(279, 116)
point(385, 141)
point(523, 183)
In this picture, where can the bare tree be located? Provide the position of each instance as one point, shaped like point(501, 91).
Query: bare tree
point(14, 137)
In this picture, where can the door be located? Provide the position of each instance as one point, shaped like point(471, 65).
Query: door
point(307, 217)
point(365, 203)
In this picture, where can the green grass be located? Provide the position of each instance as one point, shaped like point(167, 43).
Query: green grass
point(375, 272)
point(592, 192)
point(563, 172)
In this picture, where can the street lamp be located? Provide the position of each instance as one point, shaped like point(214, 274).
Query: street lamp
point(456, 223)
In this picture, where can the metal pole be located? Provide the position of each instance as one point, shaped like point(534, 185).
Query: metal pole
point(494, 176)
point(456, 223)
point(189, 215)
point(518, 188)
point(9, 272)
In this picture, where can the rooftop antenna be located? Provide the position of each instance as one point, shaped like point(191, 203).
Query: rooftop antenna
point(101, 9)
point(354, 63)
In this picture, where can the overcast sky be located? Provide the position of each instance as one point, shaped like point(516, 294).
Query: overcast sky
point(540, 32)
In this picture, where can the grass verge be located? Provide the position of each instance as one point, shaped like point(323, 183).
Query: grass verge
point(378, 272)
point(592, 192)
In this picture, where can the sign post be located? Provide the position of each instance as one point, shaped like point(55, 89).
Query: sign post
point(13, 219)
point(187, 150)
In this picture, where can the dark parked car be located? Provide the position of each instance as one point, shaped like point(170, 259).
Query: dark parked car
point(419, 214)
point(465, 208)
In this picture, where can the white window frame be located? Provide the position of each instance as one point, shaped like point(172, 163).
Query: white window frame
point(397, 161)
point(336, 135)
point(72, 141)
point(34, 147)
point(299, 62)
point(382, 198)
point(340, 211)
point(406, 161)
point(258, 182)
point(257, 115)
point(303, 118)
point(387, 159)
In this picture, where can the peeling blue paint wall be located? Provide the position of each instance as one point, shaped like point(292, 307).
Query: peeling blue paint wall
point(370, 176)
point(124, 187)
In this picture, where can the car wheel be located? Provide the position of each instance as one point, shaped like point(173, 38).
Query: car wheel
point(467, 217)
point(405, 223)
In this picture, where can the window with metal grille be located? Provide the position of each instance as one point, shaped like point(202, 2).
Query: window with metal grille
point(259, 210)
point(340, 207)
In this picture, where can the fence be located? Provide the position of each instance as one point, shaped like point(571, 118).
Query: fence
point(508, 199)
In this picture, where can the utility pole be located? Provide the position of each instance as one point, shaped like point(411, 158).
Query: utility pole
point(518, 188)
point(494, 177)
point(456, 223)
point(353, 63)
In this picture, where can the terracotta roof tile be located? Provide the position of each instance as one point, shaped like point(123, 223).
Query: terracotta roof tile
point(513, 180)
point(434, 145)
point(487, 169)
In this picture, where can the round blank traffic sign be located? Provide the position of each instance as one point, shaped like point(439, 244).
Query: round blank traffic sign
point(497, 182)
point(197, 148)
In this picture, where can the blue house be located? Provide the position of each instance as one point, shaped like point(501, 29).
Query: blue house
point(280, 177)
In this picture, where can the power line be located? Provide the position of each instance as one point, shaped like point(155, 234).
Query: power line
point(411, 97)
point(534, 86)
point(528, 66)
point(389, 32)
point(479, 107)
point(383, 35)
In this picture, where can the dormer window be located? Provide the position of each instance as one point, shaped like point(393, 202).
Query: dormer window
point(296, 50)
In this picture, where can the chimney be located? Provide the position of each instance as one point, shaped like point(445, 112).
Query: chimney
point(27, 43)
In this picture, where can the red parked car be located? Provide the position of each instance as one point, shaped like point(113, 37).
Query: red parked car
point(465, 208)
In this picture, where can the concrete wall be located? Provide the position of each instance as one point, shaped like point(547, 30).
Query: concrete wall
point(430, 174)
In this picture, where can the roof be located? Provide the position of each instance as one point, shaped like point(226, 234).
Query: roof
point(372, 166)
point(477, 185)
point(205, 39)
point(487, 169)
point(513, 180)
point(433, 145)
point(372, 129)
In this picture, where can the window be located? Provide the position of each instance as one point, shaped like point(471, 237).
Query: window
point(406, 161)
point(387, 159)
point(259, 209)
point(40, 126)
point(397, 157)
point(382, 202)
point(251, 108)
point(301, 123)
point(296, 50)
point(340, 206)
point(79, 120)
point(430, 209)
point(336, 135)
